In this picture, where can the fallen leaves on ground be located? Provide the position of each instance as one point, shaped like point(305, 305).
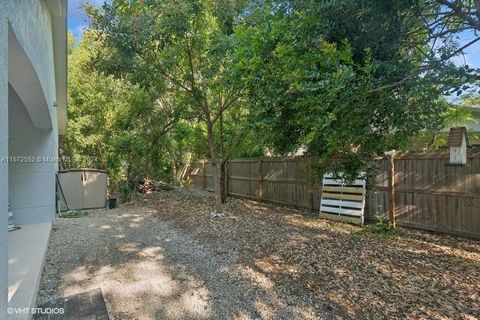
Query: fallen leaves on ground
point(330, 267)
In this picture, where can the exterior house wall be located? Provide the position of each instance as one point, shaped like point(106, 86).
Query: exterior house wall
point(472, 125)
point(32, 167)
point(31, 23)
point(3, 164)
point(29, 187)
point(32, 185)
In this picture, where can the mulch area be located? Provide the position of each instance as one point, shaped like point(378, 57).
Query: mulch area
point(330, 269)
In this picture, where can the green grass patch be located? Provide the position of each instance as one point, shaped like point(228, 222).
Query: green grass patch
point(382, 230)
point(73, 214)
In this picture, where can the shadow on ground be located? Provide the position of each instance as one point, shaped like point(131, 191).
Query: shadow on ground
point(165, 257)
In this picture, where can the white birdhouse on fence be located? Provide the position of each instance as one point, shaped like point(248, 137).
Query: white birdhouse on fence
point(458, 143)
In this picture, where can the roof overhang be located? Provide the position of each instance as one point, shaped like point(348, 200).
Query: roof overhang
point(58, 12)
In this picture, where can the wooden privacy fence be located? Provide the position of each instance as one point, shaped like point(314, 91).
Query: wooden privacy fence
point(423, 192)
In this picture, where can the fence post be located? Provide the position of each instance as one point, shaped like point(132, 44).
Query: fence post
point(313, 185)
point(204, 176)
point(260, 191)
point(391, 188)
point(307, 170)
point(226, 182)
point(312, 190)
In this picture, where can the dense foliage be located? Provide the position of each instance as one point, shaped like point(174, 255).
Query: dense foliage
point(336, 77)
point(155, 84)
point(115, 125)
point(181, 50)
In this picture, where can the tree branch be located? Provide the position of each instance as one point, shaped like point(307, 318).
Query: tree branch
point(460, 13)
point(234, 95)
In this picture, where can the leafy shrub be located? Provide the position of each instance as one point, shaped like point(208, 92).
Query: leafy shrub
point(125, 191)
point(382, 229)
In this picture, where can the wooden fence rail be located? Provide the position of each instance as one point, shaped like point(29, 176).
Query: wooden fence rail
point(428, 193)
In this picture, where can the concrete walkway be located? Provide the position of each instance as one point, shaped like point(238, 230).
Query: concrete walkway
point(27, 248)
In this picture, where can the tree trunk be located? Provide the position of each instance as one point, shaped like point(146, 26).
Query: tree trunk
point(149, 168)
point(174, 173)
point(218, 176)
point(218, 167)
point(223, 180)
point(219, 184)
point(432, 141)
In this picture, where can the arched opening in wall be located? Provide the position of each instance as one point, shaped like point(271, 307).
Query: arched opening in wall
point(23, 78)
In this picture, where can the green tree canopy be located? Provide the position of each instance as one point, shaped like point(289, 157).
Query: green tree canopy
point(178, 47)
point(337, 77)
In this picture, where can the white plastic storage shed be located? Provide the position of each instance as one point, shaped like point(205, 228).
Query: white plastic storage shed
point(83, 188)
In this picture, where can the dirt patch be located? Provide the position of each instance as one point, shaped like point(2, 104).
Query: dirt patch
point(166, 256)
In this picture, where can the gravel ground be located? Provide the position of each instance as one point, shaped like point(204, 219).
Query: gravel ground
point(165, 256)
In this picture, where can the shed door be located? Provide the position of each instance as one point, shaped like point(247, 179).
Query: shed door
point(72, 186)
point(94, 189)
